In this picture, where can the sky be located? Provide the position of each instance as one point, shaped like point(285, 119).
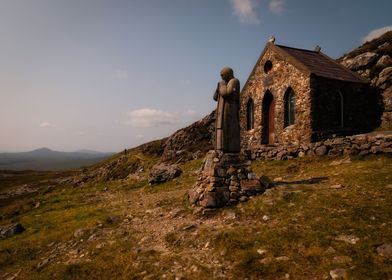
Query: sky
point(112, 74)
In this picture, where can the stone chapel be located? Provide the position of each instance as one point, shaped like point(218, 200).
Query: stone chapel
point(296, 96)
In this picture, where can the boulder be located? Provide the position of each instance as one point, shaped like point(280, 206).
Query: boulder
point(384, 77)
point(385, 250)
point(162, 172)
point(338, 273)
point(320, 151)
point(384, 61)
point(10, 230)
point(360, 61)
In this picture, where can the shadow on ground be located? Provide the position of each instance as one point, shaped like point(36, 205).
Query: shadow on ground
point(310, 181)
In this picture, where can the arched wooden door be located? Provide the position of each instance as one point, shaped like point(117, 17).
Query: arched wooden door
point(271, 122)
point(268, 119)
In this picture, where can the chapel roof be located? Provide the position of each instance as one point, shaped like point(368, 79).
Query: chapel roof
point(312, 63)
point(319, 64)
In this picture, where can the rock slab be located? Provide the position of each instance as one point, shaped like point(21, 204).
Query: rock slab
point(11, 230)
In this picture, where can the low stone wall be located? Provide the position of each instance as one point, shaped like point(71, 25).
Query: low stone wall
point(225, 179)
point(350, 145)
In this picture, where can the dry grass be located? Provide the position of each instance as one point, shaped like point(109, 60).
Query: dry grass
point(136, 231)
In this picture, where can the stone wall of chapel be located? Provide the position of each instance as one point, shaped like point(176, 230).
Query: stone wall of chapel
point(361, 108)
point(282, 76)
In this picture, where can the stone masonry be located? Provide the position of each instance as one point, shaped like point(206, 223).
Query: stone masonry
point(342, 146)
point(282, 76)
point(225, 179)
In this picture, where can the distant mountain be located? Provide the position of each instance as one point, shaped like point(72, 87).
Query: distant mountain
point(46, 159)
point(86, 151)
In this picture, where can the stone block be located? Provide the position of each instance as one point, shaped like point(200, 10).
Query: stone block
point(233, 201)
point(322, 150)
point(231, 171)
point(194, 194)
point(376, 149)
point(220, 172)
point(235, 182)
point(387, 150)
point(364, 153)
point(215, 199)
point(234, 195)
point(234, 188)
point(234, 178)
point(266, 182)
point(252, 176)
point(242, 176)
point(364, 147)
point(251, 186)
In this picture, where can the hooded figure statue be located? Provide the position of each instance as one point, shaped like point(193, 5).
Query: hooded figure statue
point(227, 126)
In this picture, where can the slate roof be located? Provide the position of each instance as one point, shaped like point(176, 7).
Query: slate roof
point(319, 64)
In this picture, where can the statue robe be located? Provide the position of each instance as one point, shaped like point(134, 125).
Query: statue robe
point(227, 126)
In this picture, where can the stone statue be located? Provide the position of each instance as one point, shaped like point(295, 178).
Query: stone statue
point(227, 126)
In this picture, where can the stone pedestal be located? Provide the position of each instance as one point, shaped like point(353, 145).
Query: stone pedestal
point(225, 179)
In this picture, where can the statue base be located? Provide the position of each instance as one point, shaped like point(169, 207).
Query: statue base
point(225, 179)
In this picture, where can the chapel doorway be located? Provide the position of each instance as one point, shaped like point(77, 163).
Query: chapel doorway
point(268, 118)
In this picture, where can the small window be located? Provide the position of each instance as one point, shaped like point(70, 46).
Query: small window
point(289, 107)
point(250, 115)
point(267, 66)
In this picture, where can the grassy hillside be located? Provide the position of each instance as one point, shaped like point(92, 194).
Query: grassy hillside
point(125, 229)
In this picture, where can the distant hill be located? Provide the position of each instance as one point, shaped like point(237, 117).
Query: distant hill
point(46, 159)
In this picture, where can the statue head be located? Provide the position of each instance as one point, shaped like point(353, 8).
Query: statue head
point(227, 74)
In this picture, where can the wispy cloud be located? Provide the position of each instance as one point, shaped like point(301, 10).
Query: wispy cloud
point(376, 33)
point(147, 118)
point(78, 132)
point(45, 124)
point(192, 113)
point(276, 6)
point(246, 11)
point(121, 74)
point(139, 136)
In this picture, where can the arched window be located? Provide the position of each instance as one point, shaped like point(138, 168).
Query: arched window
point(289, 107)
point(250, 115)
point(340, 107)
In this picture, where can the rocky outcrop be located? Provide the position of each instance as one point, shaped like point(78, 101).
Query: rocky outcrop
point(190, 142)
point(361, 61)
point(373, 61)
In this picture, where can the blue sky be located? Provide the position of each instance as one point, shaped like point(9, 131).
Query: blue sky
point(108, 75)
